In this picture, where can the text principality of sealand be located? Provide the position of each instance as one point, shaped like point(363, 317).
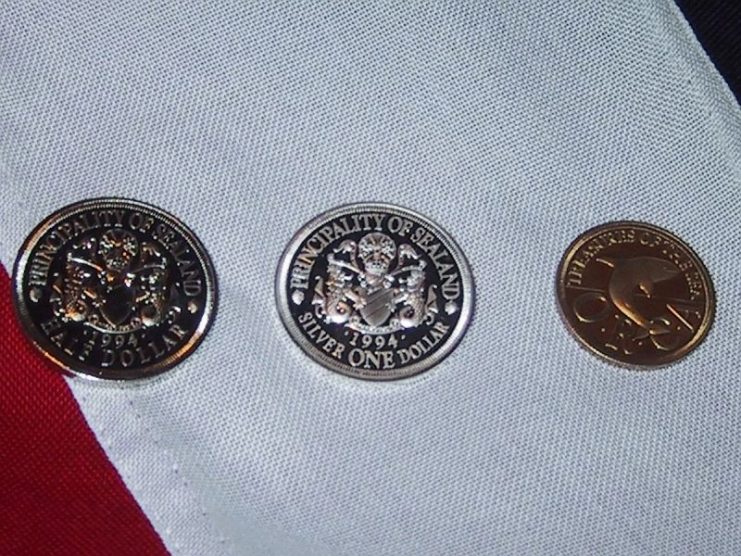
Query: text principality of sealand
point(374, 291)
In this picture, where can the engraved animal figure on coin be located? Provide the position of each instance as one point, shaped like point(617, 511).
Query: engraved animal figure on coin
point(363, 292)
point(333, 297)
point(113, 283)
point(416, 306)
point(638, 273)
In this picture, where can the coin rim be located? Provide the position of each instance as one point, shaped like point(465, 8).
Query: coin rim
point(666, 360)
point(283, 303)
point(90, 372)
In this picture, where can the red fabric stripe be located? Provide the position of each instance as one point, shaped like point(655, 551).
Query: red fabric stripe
point(59, 494)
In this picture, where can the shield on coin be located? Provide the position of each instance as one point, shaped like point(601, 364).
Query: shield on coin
point(378, 307)
point(117, 304)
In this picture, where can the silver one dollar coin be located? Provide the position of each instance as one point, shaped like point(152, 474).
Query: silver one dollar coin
point(374, 291)
point(114, 289)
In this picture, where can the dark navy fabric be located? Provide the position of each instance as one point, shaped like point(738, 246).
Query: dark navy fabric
point(717, 25)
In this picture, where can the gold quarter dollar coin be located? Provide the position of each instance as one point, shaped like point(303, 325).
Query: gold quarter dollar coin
point(635, 294)
point(374, 291)
point(114, 289)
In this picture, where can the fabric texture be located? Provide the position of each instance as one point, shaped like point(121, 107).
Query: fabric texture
point(515, 126)
point(59, 494)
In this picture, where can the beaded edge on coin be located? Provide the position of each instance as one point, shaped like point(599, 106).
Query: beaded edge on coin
point(284, 299)
point(75, 368)
point(663, 361)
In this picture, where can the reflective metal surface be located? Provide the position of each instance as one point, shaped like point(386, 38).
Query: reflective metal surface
point(635, 294)
point(114, 289)
point(374, 291)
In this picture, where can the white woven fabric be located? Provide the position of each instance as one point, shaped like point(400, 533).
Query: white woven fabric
point(516, 126)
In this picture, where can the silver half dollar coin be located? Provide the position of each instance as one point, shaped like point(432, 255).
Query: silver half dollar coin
point(114, 289)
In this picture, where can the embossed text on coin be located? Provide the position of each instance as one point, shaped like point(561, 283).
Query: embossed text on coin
point(635, 294)
point(114, 289)
point(374, 291)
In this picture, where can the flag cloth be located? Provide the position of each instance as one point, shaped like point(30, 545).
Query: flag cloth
point(514, 125)
point(59, 492)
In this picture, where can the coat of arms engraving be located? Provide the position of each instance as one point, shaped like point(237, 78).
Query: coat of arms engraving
point(114, 283)
point(363, 291)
